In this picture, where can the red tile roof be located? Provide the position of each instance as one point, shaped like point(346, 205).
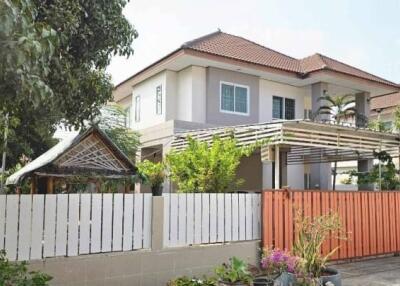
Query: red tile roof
point(230, 46)
point(385, 101)
point(226, 45)
point(238, 48)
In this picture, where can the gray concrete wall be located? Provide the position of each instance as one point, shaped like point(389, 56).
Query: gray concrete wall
point(213, 115)
point(143, 268)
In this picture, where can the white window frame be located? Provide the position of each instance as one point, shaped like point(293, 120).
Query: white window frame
point(137, 108)
point(283, 107)
point(247, 98)
point(159, 111)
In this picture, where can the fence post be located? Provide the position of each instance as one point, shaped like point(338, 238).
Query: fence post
point(157, 224)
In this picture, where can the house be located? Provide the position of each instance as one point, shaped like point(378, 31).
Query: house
point(225, 80)
point(383, 106)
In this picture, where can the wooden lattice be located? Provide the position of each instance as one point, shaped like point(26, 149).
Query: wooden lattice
point(91, 153)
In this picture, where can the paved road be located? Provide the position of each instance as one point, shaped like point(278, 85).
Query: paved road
point(374, 272)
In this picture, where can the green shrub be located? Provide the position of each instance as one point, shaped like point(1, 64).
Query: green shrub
point(207, 168)
point(235, 271)
point(17, 274)
point(152, 174)
point(312, 233)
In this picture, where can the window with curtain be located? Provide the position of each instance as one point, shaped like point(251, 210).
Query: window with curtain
point(137, 108)
point(159, 99)
point(234, 98)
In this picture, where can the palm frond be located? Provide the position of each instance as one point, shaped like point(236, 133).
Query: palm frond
point(327, 98)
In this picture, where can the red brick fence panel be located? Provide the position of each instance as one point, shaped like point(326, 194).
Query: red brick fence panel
point(371, 220)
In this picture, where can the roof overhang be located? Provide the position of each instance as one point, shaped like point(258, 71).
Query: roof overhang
point(306, 141)
point(184, 57)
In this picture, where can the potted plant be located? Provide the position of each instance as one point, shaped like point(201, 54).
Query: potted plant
point(187, 281)
point(275, 263)
point(235, 273)
point(153, 175)
point(312, 267)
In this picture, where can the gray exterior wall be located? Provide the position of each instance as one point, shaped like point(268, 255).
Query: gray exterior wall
point(143, 268)
point(213, 115)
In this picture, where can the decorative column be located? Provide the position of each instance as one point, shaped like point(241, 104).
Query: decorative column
point(277, 168)
point(362, 107)
point(321, 173)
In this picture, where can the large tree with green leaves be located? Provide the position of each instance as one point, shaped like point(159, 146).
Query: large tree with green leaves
point(53, 55)
point(338, 108)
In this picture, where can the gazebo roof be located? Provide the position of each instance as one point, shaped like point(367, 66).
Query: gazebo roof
point(90, 151)
point(307, 141)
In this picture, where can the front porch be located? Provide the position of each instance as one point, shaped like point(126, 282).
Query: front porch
point(298, 153)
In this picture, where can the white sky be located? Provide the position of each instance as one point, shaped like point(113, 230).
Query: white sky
point(365, 34)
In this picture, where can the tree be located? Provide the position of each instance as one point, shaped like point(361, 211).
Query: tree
point(383, 174)
point(338, 108)
point(207, 168)
point(53, 55)
point(112, 122)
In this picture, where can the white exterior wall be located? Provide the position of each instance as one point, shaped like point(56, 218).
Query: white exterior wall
point(198, 94)
point(268, 89)
point(147, 92)
point(191, 95)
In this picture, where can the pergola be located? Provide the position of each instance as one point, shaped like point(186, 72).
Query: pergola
point(91, 155)
point(305, 141)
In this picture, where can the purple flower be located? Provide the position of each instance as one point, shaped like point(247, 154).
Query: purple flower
point(278, 261)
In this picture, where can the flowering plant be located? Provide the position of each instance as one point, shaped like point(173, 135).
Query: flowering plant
point(276, 261)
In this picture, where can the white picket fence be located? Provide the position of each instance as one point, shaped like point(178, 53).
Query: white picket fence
point(39, 226)
point(211, 218)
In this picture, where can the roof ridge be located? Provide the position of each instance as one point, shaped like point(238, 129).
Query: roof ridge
point(196, 40)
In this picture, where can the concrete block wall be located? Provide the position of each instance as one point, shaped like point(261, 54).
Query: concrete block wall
point(145, 267)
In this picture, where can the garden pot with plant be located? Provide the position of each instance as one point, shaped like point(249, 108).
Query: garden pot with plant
point(312, 267)
point(234, 273)
point(153, 175)
point(275, 263)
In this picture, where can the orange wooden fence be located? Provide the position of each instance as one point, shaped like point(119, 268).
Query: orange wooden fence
point(371, 220)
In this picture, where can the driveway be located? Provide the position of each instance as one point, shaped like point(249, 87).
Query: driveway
point(374, 272)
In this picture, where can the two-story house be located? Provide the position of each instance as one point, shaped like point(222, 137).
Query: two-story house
point(223, 80)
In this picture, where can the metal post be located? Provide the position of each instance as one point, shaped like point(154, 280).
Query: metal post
point(277, 168)
point(3, 162)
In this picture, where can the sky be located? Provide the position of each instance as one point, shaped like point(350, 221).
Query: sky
point(365, 34)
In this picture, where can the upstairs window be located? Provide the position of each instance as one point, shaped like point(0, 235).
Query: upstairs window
point(283, 108)
point(159, 99)
point(137, 108)
point(289, 109)
point(277, 107)
point(234, 98)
